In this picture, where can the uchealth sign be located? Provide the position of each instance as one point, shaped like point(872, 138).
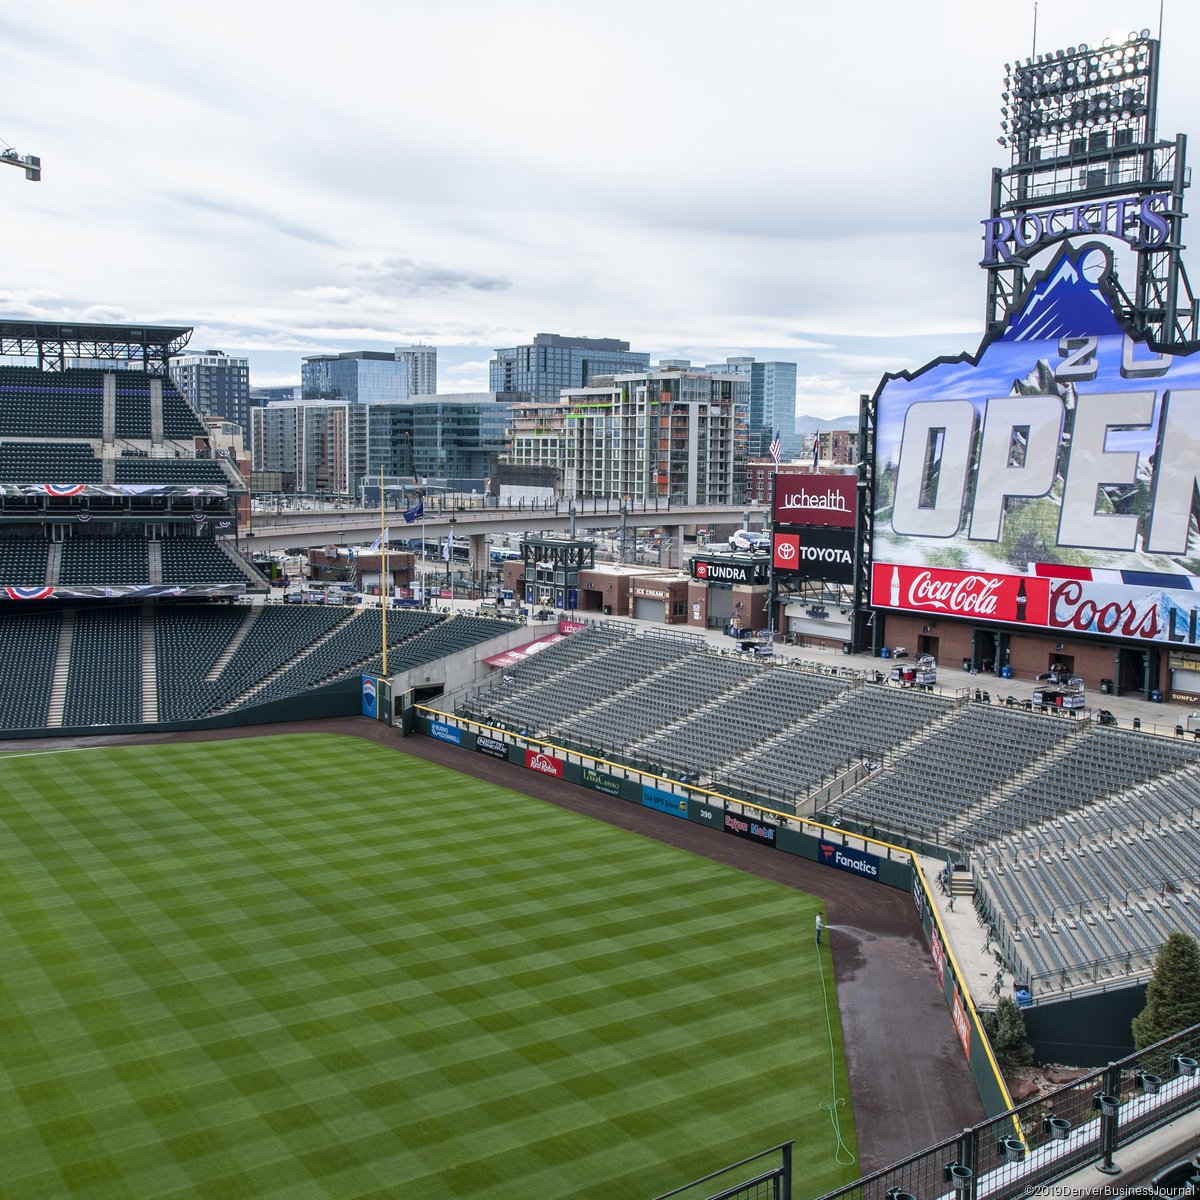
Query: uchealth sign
point(826, 554)
point(816, 500)
point(543, 763)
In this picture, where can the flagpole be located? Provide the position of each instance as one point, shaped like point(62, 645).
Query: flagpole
point(383, 579)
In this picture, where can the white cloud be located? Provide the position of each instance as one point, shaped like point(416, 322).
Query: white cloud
point(785, 180)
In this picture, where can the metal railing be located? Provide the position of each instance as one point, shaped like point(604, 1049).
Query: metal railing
point(1084, 1122)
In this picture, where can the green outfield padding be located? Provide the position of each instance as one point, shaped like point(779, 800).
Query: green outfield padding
point(314, 967)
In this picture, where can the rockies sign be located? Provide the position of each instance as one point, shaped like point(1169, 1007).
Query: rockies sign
point(825, 554)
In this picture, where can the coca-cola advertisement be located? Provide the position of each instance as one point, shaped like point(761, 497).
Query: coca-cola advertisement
point(543, 763)
point(816, 500)
point(977, 595)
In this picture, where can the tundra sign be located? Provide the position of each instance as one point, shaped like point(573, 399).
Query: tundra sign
point(1050, 480)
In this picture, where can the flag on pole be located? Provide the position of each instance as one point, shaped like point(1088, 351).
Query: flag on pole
point(385, 536)
point(816, 450)
point(777, 448)
point(447, 549)
point(416, 513)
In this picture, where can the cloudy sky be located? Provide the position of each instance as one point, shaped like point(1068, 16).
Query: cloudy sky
point(781, 178)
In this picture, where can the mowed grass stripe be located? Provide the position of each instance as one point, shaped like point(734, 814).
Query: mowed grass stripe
point(310, 966)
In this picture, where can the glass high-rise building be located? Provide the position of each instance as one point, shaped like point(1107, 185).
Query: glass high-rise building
point(355, 377)
point(550, 363)
point(772, 402)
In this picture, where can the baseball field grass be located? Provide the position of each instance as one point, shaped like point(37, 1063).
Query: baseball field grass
point(315, 967)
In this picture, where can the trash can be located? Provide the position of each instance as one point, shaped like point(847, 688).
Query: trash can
point(885, 652)
point(1156, 696)
point(1105, 687)
point(966, 664)
point(847, 648)
point(1006, 672)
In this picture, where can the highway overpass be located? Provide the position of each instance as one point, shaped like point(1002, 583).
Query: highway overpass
point(294, 530)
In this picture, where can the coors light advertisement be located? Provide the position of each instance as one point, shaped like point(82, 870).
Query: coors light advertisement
point(1048, 480)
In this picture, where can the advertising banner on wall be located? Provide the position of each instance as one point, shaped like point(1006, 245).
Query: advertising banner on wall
point(815, 553)
point(1049, 479)
point(816, 500)
point(723, 570)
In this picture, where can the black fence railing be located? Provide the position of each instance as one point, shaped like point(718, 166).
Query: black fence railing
point(1047, 1138)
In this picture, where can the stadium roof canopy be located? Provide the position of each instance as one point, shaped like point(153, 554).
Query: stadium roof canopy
point(54, 342)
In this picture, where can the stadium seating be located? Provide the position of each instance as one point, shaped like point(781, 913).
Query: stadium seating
point(197, 560)
point(48, 462)
point(28, 650)
point(64, 404)
point(23, 561)
point(179, 418)
point(104, 682)
point(104, 561)
point(138, 469)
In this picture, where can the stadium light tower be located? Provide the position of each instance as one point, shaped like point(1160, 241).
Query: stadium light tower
point(1080, 124)
point(31, 163)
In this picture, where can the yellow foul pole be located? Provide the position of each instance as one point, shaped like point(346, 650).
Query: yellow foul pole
point(383, 573)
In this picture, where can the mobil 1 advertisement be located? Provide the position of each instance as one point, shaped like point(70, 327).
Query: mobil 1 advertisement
point(1049, 479)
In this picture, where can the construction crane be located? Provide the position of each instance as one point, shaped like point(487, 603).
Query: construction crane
point(31, 163)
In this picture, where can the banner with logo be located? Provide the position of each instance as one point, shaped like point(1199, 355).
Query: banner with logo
point(721, 570)
point(445, 733)
point(816, 500)
point(492, 747)
point(664, 802)
point(816, 553)
point(751, 828)
point(1056, 466)
point(601, 781)
point(369, 687)
point(858, 862)
point(543, 763)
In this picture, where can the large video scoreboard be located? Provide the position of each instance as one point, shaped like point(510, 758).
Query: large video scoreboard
point(1050, 479)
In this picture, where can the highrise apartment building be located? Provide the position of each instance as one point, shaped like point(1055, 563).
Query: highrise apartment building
point(216, 384)
point(541, 370)
point(772, 402)
point(422, 368)
point(657, 434)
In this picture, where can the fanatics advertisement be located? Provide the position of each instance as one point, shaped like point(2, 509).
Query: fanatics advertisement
point(846, 859)
point(815, 500)
point(826, 554)
point(1050, 479)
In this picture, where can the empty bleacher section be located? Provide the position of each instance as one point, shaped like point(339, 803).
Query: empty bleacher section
point(946, 775)
point(48, 462)
point(198, 560)
point(179, 419)
point(104, 561)
point(132, 404)
point(23, 561)
point(1089, 896)
point(28, 647)
point(182, 471)
point(189, 639)
point(104, 683)
point(60, 404)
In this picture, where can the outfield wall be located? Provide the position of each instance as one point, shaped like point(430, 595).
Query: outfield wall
point(875, 862)
point(340, 699)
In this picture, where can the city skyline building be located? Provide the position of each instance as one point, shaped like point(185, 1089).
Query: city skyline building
point(772, 402)
point(421, 361)
point(216, 384)
point(355, 376)
point(656, 434)
point(541, 370)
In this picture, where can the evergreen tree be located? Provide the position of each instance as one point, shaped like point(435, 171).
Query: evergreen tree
point(1173, 996)
point(1005, 1029)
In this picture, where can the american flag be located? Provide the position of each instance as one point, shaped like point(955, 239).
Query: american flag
point(776, 448)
